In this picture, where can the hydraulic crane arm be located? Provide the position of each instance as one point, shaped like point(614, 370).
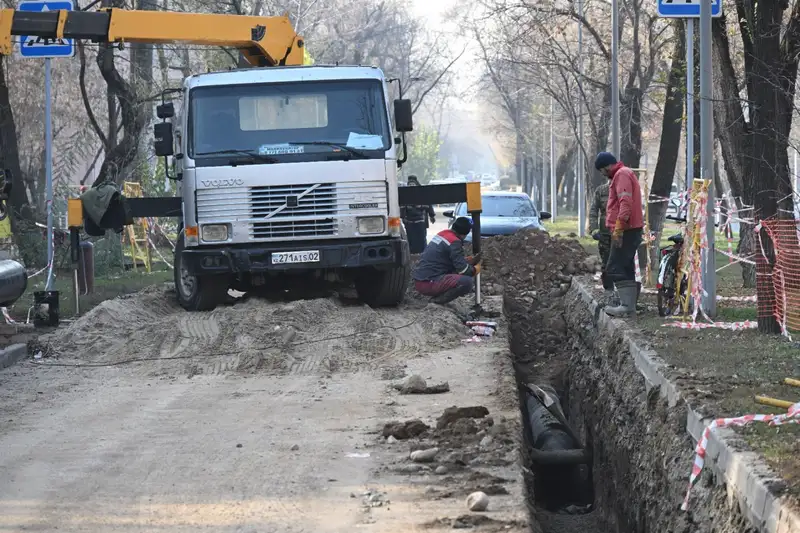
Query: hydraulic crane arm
point(264, 41)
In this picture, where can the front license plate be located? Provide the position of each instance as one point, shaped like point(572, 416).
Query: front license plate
point(285, 258)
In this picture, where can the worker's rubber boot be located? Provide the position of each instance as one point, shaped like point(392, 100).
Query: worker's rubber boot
point(627, 299)
point(609, 298)
point(638, 294)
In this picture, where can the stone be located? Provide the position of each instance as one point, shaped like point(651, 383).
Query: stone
point(424, 456)
point(478, 502)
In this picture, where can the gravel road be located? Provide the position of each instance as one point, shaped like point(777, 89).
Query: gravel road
point(259, 417)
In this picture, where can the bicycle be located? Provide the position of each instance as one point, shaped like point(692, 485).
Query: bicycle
point(670, 299)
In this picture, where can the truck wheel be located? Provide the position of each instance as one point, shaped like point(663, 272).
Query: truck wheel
point(383, 288)
point(197, 293)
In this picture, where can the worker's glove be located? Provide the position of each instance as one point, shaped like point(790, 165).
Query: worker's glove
point(433, 220)
point(477, 270)
point(474, 259)
point(596, 235)
point(616, 235)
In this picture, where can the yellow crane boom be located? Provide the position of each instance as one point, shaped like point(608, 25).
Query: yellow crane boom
point(264, 41)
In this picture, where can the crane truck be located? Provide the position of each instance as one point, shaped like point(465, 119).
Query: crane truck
point(283, 172)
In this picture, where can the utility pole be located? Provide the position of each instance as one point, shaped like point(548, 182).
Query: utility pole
point(615, 121)
point(689, 103)
point(707, 157)
point(580, 176)
point(553, 191)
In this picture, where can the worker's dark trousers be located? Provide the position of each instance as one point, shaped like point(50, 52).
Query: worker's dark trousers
point(621, 261)
point(417, 233)
point(604, 248)
point(447, 288)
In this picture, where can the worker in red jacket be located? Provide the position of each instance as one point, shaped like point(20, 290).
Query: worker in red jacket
point(625, 219)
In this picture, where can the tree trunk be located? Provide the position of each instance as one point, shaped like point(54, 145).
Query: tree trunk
point(631, 134)
point(141, 80)
point(772, 100)
point(600, 140)
point(18, 203)
point(734, 135)
point(671, 130)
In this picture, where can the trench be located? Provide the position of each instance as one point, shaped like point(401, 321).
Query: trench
point(638, 452)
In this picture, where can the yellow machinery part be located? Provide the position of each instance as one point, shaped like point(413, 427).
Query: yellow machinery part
point(264, 41)
point(74, 213)
point(474, 202)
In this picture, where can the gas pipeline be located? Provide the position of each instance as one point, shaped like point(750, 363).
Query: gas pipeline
point(13, 282)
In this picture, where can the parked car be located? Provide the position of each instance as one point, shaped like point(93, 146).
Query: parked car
point(503, 213)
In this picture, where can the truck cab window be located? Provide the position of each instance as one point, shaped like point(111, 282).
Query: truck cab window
point(316, 115)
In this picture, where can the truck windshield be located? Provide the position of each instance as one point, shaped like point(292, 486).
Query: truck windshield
point(298, 121)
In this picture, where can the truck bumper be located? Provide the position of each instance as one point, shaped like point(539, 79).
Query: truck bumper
point(258, 258)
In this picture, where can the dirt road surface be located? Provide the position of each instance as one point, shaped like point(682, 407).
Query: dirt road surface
point(258, 417)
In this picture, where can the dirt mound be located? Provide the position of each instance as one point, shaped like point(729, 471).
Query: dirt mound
point(304, 336)
point(531, 261)
point(533, 271)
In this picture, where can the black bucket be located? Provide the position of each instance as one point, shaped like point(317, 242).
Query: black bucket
point(45, 309)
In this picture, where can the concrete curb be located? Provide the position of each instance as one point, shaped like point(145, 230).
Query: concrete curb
point(12, 354)
point(747, 476)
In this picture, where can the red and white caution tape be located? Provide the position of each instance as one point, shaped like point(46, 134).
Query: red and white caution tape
point(792, 416)
point(733, 326)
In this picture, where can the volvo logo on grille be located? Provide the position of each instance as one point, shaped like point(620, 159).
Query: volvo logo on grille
point(222, 183)
point(292, 201)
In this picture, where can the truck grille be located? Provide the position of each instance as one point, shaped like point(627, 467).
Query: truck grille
point(285, 211)
point(293, 210)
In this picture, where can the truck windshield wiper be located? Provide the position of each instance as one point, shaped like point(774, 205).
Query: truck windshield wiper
point(352, 151)
point(253, 156)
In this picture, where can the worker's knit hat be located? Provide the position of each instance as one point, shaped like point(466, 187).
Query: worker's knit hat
point(604, 159)
point(462, 226)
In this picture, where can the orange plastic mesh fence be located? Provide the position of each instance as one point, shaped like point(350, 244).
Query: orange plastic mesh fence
point(781, 281)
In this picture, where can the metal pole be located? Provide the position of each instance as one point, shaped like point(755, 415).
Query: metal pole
point(615, 121)
point(545, 170)
point(689, 103)
point(553, 192)
point(579, 176)
point(48, 156)
point(707, 156)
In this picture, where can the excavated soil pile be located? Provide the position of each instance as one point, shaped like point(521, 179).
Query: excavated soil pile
point(533, 271)
point(252, 334)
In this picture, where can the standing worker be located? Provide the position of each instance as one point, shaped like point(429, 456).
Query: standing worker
point(416, 219)
point(443, 272)
point(600, 233)
point(625, 219)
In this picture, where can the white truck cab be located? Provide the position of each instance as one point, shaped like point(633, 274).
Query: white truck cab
point(286, 173)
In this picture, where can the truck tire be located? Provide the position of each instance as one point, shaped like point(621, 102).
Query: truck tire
point(197, 293)
point(383, 288)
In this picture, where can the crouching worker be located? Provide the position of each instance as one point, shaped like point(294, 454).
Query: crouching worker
point(442, 271)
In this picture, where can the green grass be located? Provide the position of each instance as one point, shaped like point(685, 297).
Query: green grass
point(105, 288)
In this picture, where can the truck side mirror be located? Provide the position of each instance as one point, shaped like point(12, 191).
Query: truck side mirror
point(164, 111)
point(163, 139)
point(403, 115)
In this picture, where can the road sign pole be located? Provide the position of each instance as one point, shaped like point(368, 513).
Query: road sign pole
point(689, 103)
point(707, 156)
point(48, 163)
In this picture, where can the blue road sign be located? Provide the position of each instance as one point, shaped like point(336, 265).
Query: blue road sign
point(45, 47)
point(686, 8)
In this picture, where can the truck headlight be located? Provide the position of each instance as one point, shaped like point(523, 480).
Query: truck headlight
point(370, 225)
point(215, 232)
